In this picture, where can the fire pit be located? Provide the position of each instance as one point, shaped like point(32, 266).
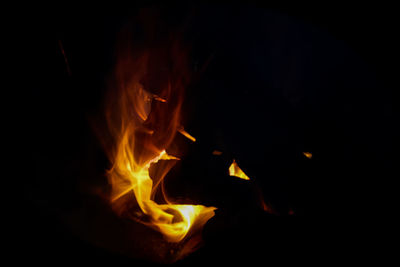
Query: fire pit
point(195, 134)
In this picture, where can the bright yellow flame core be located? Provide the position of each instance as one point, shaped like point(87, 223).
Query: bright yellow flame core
point(128, 176)
point(234, 170)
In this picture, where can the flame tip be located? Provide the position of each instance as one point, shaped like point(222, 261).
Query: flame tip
point(235, 171)
point(182, 131)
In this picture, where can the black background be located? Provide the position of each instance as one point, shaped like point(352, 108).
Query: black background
point(282, 80)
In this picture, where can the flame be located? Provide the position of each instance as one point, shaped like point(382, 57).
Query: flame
point(141, 132)
point(308, 155)
point(186, 134)
point(234, 170)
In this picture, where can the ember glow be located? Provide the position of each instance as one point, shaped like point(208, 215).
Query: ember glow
point(217, 153)
point(143, 125)
point(235, 171)
point(307, 155)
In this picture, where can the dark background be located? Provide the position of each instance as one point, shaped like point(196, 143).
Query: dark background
point(280, 81)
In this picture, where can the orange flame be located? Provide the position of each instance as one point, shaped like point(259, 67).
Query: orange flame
point(186, 134)
point(142, 130)
point(234, 170)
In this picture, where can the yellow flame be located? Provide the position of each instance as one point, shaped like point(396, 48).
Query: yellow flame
point(172, 220)
point(234, 170)
point(308, 155)
point(141, 130)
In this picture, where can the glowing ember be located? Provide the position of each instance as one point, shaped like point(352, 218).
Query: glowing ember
point(156, 97)
point(217, 153)
point(307, 155)
point(264, 205)
point(234, 170)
